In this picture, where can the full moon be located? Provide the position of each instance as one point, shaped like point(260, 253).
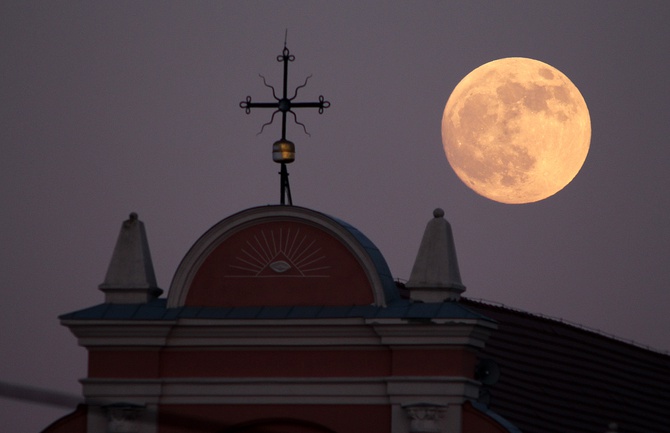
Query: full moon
point(516, 130)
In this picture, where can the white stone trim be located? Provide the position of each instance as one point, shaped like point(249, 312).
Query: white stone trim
point(366, 390)
point(276, 333)
point(221, 231)
point(304, 332)
point(97, 420)
point(91, 333)
point(445, 332)
point(438, 389)
point(425, 417)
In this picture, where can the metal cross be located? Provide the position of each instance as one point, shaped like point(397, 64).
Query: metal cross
point(284, 105)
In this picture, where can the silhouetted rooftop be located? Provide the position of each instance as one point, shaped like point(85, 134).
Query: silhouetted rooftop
point(556, 377)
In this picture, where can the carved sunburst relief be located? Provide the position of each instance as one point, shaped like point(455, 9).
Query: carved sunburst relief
point(278, 253)
point(302, 258)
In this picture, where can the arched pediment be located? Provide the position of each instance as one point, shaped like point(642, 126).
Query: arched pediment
point(282, 256)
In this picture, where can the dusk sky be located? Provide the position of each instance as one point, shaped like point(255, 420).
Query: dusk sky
point(117, 107)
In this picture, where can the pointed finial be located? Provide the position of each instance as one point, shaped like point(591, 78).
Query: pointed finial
point(435, 276)
point(130, 277)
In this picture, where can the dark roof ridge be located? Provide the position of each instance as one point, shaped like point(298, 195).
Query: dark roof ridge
point(566, 322)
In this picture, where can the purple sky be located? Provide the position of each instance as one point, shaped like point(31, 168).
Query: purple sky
point(115, 107)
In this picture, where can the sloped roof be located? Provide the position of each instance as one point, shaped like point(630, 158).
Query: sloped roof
point(485, 410)
point(557, 378)
point(157, 310)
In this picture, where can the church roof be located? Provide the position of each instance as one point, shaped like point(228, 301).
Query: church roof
point(556, 377)
point(276, 234)
point(157, 310)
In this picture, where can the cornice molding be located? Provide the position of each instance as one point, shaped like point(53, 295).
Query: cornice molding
point(307, 332)
point(345, 390)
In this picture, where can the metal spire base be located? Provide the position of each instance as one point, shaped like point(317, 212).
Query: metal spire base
point(285, 187)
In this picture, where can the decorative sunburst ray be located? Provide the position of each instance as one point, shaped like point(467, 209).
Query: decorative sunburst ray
point(279, 253)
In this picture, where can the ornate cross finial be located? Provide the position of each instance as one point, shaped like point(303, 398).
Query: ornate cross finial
point(284, 150)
